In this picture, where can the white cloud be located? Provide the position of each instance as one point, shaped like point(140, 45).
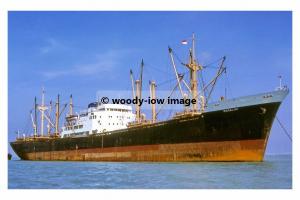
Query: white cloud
point(51, 45)
point(105, 62)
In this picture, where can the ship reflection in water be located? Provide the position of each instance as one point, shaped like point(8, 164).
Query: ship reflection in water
point(275, 172)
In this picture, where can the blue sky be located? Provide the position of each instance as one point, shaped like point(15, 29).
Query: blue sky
point(81, 53)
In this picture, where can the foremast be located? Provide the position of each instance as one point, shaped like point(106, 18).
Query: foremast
point(45, 114)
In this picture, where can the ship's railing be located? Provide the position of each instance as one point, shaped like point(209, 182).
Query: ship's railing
point(186, 113)
point(39, 137)
point(282, 88)
point(143, 122)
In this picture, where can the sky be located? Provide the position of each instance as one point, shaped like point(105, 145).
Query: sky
point(82, 53)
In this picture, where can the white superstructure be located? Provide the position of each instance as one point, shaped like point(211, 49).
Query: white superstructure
point(98, 118)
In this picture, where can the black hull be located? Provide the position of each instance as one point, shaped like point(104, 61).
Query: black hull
point(252, 123)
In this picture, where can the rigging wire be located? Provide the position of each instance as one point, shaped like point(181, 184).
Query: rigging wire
point(155, 68)
point(27, 126)
point(165, 82)
point(284, 129)
point(209, 64)
point(170, 80)
point(202, 85)
point(228, 91)
point(177, 57)
point(80, 107)
point(170, 114)
point(204, 66)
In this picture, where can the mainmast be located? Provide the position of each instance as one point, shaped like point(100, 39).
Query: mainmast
point(194, 67)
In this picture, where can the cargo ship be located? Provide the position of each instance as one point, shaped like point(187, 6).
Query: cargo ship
point(230, 130)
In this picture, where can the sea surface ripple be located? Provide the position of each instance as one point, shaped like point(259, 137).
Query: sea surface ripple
point(274, 172)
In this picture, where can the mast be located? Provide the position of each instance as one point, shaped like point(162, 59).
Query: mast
point(193, 75)
point(48, 129)
point(194, 67)
point(35, 118)
point(132, 84)
point(71, 106)
point(153, 96)
point(138, 109)
point(141, 78)
point(42, 108)
point(176, 73)
point(49, 120)
point(193, 47)
point(138, 86)
point(57, 116)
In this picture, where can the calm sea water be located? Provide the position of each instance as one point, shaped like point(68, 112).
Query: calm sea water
point(274, 172)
